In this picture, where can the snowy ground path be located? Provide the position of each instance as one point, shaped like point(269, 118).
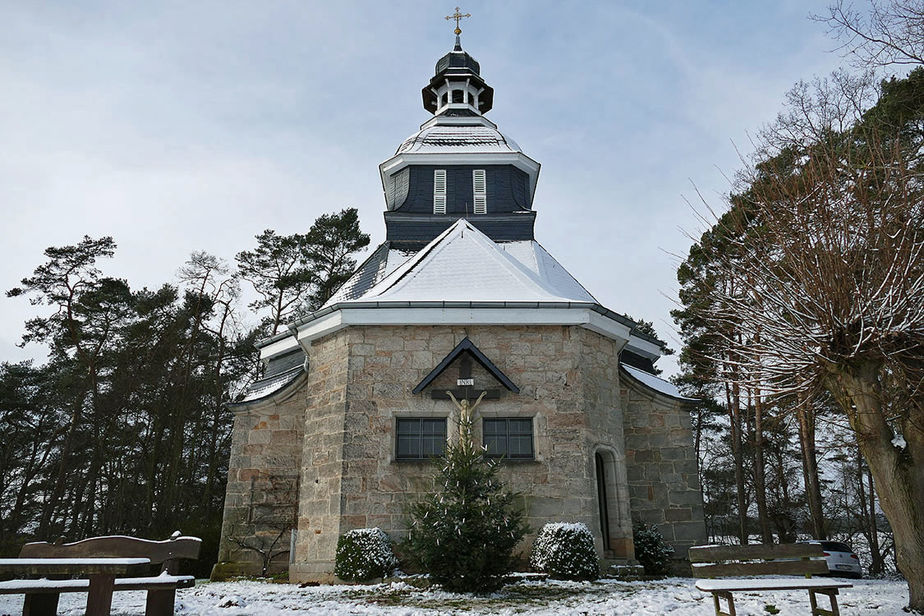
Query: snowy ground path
point(537, 598)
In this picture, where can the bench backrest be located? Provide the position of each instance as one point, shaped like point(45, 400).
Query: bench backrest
point(709, 561)
point(168, 552)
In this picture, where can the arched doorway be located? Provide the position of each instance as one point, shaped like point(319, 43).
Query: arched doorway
point(612, 505)
point(602, 499)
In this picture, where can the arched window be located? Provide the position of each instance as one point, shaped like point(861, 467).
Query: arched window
point(471, 99)
point(444, 99)
point(458, 96)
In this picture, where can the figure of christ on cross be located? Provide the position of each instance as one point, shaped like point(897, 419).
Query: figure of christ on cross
point(466, 418)
point(463, 396)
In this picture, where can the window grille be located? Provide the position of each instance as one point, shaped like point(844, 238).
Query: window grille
point(510, 437)
point(419, 438)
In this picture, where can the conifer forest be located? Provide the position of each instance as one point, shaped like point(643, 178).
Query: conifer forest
point(124, 429)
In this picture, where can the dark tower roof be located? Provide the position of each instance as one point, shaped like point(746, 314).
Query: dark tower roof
point(457, 66)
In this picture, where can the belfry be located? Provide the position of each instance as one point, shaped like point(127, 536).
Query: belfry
point(458, 312)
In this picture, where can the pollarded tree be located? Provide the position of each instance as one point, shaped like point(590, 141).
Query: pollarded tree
point(834, 251)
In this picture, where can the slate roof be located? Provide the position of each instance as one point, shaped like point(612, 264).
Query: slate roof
point(463, 264)
point(452, 138)
point(268, 386)
point(280, 371)
point(653, 382)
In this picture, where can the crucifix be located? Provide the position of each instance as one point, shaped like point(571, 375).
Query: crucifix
point(465, 385)
point(462, 397)
point(458, 17)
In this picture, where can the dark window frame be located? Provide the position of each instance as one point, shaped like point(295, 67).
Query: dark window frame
point(506, 435)
point(428, 443)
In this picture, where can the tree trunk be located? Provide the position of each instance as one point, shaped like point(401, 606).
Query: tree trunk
point(760, 482)
point(898, 471)
point(876, 565)
point(806, 418)
point(734, 414)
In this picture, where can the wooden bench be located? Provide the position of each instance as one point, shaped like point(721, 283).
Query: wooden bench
point(42, 594)
point(715, 561)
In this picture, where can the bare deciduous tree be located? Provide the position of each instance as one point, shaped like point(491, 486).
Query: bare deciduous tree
point(827, 268)
point(882, 33)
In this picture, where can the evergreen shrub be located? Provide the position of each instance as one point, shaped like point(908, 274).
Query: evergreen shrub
point(364, 554)
point(651, 550)
point(464, 533)
point(565, 551)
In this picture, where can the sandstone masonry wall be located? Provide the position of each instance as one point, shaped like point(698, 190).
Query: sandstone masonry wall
point(661, 466)
point(360, 381)
point(261, 497)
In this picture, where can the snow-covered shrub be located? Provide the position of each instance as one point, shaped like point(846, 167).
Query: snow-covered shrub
point(364, 554)
point(651, 551)
point(566, 551)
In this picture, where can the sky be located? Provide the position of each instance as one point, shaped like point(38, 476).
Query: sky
point(184, 126)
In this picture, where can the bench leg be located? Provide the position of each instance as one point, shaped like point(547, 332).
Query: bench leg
point(832, 596)
point(99, 597)
point(728, 599)
point(160, 603)
point(41, 604)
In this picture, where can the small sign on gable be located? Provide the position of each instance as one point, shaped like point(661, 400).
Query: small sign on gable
point(468, 352)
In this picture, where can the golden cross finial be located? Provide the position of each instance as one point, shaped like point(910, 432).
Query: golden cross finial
point(458, 17)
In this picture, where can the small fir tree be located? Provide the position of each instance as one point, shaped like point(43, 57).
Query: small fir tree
point(651, 550)
point(464, 533)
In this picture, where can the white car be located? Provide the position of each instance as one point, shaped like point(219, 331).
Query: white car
point(842, 560)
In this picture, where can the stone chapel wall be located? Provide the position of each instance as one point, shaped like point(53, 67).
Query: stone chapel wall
point(661, 466)
point(261, 498)
point(361, 379)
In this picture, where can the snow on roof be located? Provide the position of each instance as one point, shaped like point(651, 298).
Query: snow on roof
point(463, 264)
point(532, 255)
point(659, 385)
point(267, 387)
point(458, 138)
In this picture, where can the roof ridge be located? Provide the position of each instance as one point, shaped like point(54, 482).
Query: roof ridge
point(512, 266)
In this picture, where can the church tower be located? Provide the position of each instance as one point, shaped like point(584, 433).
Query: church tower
point(459, 303)
point(458, 165)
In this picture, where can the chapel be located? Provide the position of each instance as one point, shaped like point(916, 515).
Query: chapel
point(459, 303)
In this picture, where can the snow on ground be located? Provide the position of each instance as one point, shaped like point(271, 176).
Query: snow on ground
point(537, 598)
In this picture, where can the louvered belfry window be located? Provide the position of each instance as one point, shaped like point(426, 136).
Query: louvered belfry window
point(439, 191)
point(481, 191)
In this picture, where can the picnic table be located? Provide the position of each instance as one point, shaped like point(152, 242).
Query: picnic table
point(101, 573)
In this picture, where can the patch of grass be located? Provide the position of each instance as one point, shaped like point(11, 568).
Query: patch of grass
point(771, 609)
point(517, 596)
